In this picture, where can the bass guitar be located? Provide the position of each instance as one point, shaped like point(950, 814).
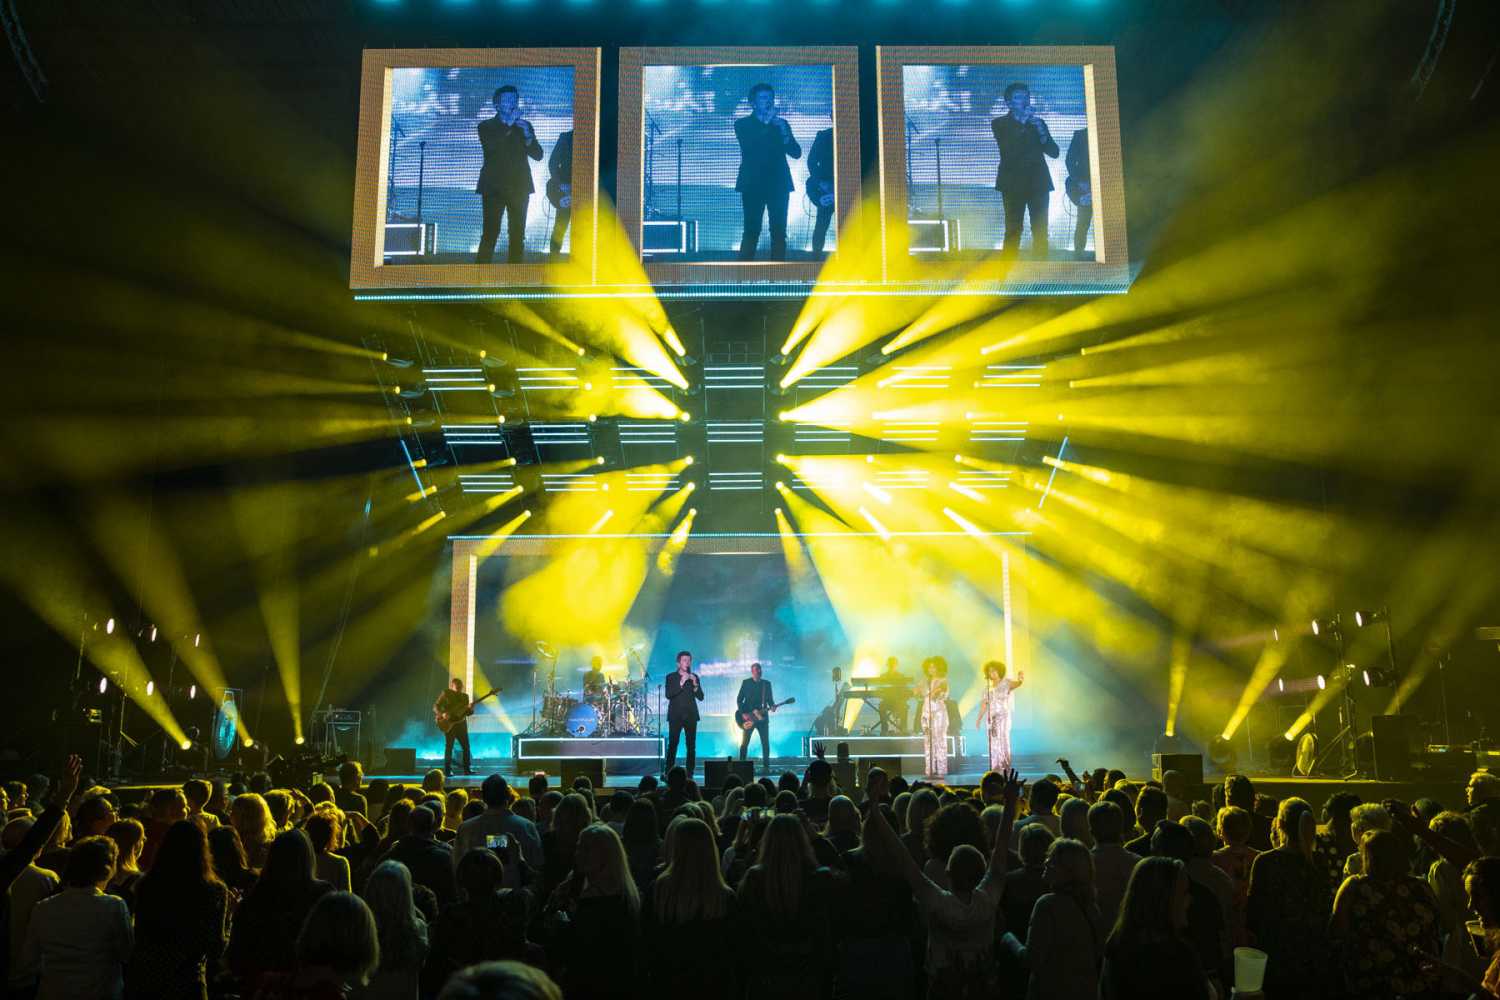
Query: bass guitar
point(446, 722)
point(747, 720)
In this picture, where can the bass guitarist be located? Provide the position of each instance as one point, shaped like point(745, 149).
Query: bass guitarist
point(755, 703)
point(452, 710)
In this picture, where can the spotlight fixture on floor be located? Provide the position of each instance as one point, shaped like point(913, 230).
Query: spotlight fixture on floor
point(1363, 618)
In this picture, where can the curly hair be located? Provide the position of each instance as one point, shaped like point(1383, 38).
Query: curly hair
point(954, 824)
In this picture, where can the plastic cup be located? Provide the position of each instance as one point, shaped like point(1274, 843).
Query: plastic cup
point(1249, 969)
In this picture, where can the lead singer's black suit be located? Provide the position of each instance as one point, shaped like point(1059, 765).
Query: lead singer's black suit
point(1024, 180)
point(682, 719)
point(764, 181)
point(504, 186)
point(756, 694)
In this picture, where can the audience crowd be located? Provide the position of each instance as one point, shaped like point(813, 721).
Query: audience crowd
point(1101, 887)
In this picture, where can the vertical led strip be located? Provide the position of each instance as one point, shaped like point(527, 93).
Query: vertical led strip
point(1010, 646)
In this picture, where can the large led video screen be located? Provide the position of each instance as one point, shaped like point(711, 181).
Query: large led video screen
point(737, 164)
point(475, 166)
point(1003, 155)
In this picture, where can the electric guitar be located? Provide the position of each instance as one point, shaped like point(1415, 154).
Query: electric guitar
point(446, 722)
point(817, 190)
point(1077, 189)
point(747, 720)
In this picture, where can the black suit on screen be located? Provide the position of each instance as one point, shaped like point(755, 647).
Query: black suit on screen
point(1023, 180)
point(682, 719)
point(1078, 169)
point(505, 185)
point(820, 171)
point(560, 169)
point(764, 181)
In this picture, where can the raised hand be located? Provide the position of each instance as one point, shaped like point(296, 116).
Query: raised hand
point(72, 772)
point(1013, 786)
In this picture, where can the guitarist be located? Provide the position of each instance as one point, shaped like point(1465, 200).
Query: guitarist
point(1080, 188)
point(453, 704)
point(820, 186)
point(755, 700)
point(560, 188)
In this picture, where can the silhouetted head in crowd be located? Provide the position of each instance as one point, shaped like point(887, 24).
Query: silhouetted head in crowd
point(1106, 823)
point(501, 981)
point(496, 792)
point(339, 937)
point(1240, 791)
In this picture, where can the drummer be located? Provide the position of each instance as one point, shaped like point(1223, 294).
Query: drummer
point(593, 680)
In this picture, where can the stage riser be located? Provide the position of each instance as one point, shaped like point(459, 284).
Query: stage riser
point(878, 746)
point(538, 749)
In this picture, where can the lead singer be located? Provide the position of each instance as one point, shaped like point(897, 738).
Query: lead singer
point(684, 691)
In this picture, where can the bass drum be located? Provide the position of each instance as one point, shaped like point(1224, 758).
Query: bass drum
point(583, 720)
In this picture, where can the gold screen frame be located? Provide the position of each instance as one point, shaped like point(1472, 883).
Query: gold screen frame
point(630, 170)
point(366, 267)
point(1105, 162)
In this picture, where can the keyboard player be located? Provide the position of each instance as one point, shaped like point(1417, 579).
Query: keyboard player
point(893, 695)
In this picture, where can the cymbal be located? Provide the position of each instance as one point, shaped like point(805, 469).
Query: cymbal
point(546, 649)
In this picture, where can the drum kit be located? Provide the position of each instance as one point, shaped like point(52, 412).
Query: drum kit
point(600, 708)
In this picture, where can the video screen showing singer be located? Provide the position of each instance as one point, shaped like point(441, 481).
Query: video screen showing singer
point(742, 157)
point(471, 150)
point(997, 162)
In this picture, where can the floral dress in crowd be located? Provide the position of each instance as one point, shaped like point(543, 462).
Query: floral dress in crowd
point(995, 708)
point(1387, 920)
point(935, 728)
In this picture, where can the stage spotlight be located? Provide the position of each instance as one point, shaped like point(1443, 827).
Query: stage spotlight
point(192, 691)
point(300, 740)
point(248, 743)
point(1322, 682)
point(1326, 626)
point(197, 638)
point(1169, 743)
point(1275, 635)
point(109, 627)
point(1363, 618)
point(150, 688)
point(684, 416)
point(781, 459)
point(688, 460)
point(186, 744)
point(153, 633)
point(103, 684)
point(1221, 753)
point(1280, 685)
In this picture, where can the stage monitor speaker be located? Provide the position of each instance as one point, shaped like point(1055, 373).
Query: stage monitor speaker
point(1189, 765)
point(591, 768)
point(400, 760)
point(1392, 747)
point(716, 771)
point(890, 765)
